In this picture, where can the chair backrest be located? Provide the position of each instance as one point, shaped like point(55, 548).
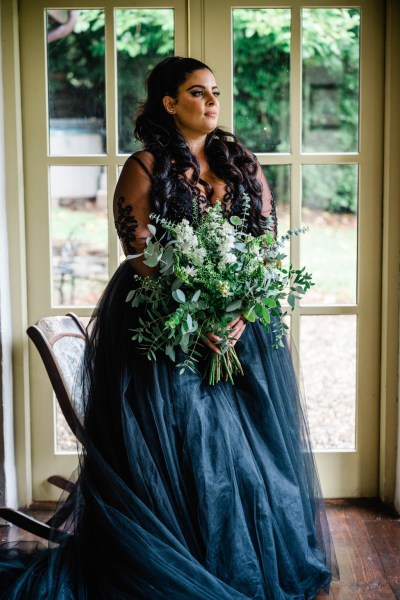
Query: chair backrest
point(61, 343)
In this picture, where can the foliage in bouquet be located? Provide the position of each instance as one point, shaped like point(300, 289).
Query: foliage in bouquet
point(209, 273)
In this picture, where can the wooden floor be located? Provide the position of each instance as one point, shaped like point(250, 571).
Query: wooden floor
point(366, 535)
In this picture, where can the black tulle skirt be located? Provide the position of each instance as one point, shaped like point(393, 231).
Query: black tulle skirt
point(184, 490)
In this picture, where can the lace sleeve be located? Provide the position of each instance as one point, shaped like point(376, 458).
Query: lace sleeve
point(268, 202)
point(132, 207)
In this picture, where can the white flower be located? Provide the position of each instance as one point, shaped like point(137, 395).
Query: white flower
point(255, 251)
point(186, 238)
point(230, 258)
point(227, 259)
point(227, 229)
point(200, 254)
point(226, 245)
point(191, 271)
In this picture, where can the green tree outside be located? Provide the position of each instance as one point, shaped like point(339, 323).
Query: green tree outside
point(261, 84)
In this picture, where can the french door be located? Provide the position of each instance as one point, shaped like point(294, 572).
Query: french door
point(303, 91)
point(301, 88)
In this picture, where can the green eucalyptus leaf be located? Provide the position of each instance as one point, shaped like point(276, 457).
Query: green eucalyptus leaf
point(170, 351)
point(291, 300)
point(196, 296)
point(185, 343)
point(135, 302)
point(179, 295)
point(149, 248)
point(270, 302)
point(235, 220)
point(249, 314)
point(266, 315)
point(152, 229)
point(152, 261)
point(167, 258)
point(234, 306)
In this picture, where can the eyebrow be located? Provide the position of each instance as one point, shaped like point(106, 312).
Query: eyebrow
point(198, 85)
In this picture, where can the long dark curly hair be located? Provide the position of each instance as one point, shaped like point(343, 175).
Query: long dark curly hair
point(157, 131)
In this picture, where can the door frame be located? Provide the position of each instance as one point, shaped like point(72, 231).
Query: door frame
point(390, 330)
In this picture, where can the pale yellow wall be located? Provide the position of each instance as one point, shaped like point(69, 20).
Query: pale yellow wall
point(15, 221)
point(390, 433)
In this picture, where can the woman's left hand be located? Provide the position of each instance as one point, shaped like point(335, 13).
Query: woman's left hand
point(238, 326)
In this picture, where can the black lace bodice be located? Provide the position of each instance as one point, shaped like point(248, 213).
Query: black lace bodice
point(125, 223)
point(133, 203)
point(184, 193)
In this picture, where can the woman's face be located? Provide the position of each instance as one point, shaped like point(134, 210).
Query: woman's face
point(196, 107)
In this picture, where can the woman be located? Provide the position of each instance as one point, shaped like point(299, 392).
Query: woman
point(185, 491)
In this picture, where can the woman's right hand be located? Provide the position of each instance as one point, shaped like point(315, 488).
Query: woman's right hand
point(211, 338)
point(238, 326)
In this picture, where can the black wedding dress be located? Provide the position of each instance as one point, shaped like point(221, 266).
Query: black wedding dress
point(184, 491)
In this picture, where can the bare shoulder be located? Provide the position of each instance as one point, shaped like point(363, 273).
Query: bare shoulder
point(143, 158)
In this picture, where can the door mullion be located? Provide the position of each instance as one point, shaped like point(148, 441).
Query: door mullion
point(112, 130)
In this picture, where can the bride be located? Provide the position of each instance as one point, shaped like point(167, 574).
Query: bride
point(185, 491)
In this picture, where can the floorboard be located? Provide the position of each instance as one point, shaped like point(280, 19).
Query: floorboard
point(366, 535)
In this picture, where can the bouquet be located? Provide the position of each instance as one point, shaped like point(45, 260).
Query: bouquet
point(210, 272)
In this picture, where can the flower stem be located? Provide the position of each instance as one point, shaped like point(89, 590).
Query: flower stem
point(222, 367)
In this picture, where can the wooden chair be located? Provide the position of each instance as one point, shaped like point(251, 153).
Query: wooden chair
point(61, 343)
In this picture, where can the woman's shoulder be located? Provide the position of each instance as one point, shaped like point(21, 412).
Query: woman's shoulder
point(143, 159)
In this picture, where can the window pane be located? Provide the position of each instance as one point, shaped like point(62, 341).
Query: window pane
point(72, 353)
point(76, 81)
point(329, 248)
point(331, 48)
point(328, 360)
point(278, 177)
point(79, 234)
point(144, 37)
point(65, 439)
point(261, 78)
